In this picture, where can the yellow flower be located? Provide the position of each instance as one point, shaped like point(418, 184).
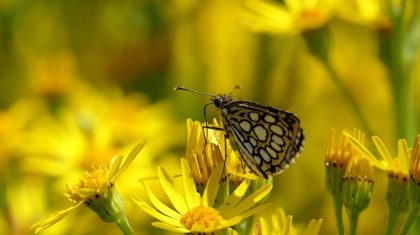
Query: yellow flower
point(192, 213)
point(414, 165)
point(292, 17)
point(397, 169)
point(90, 125)
point(397, 166)
point(358, 183)
point(413, 193)
point(338, 157)
point(97, 191)
point(366, 12)
point(282, 225)
point(357, 188)
point(204, 153)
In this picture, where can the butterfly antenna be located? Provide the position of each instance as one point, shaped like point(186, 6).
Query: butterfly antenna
point(180, 88)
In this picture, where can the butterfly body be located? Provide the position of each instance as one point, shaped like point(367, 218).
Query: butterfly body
point(268, 139)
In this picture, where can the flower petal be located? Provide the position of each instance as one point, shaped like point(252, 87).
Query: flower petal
point(236, 196)
point(248, 202)
point(173, 193)
point(238, 218)
point(383, 151)
point(161, 206)
point(403, 155)
point(313, 227)
point(114, 167)
point(53, 219)
point(380, 163)
point(156, 214)
point(212, 187)
point(170, 227)
point(264, 226)
point(192, 197)
point(288, 228)
point(248, 176)
point(128, 160)
point(264, 16)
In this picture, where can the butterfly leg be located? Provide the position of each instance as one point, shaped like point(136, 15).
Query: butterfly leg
point(206, 126)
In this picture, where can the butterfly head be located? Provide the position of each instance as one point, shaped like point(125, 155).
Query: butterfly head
point(220, 100)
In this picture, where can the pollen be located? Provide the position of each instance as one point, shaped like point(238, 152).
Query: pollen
point(201, 216)
point(94, 183)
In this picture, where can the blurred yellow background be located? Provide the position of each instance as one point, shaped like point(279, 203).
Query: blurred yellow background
point(84, 80)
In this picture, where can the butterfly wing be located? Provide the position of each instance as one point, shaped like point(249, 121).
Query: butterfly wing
point(268, 139)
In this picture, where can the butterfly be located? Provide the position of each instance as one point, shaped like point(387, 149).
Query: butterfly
point(267, 138)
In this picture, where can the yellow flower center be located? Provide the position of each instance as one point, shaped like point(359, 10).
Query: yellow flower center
point(94, 183)
point(201, 216)
point(314, 15)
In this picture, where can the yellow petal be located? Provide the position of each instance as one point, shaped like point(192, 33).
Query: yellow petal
point(170, 227)
point(383, 151)
point(173, 193)
point(235, 197)
point(114, 167)
point(127, 161)
point(269, 17)
point(403, 155)
point(313, 227)
point(212, 187)
point(191, 195)
point(249, 201)
point(363, 150)
point(265, 229)
point(53, 219)
point(156, 214)
point(288, 229)
point(160, 206)
point(237, 219)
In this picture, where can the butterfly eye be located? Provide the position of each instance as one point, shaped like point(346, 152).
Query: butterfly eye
point(218, 101)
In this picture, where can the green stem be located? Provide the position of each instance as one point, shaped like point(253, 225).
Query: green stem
point(404, 107)
point(349, 99)
point(318, 42)
point(400, 69)
point(338, 206)
point(354, 217)
point(124, 225)
point(391, 222)
point(409, 219)
point(245, 227)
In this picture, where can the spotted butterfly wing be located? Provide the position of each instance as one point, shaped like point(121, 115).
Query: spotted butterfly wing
point(268, 139)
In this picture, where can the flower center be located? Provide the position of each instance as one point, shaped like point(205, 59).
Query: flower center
point(310, 14)
point(94, 182)
point(201, 216)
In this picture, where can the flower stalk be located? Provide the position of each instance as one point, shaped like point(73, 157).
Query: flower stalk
point(357, 189)
point(413, 187)
point(396, 198)
point(319, 43)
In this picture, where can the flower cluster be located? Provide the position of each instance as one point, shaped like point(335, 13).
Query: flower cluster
point(211, 196)
point(349, 178)
point(403, 178)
